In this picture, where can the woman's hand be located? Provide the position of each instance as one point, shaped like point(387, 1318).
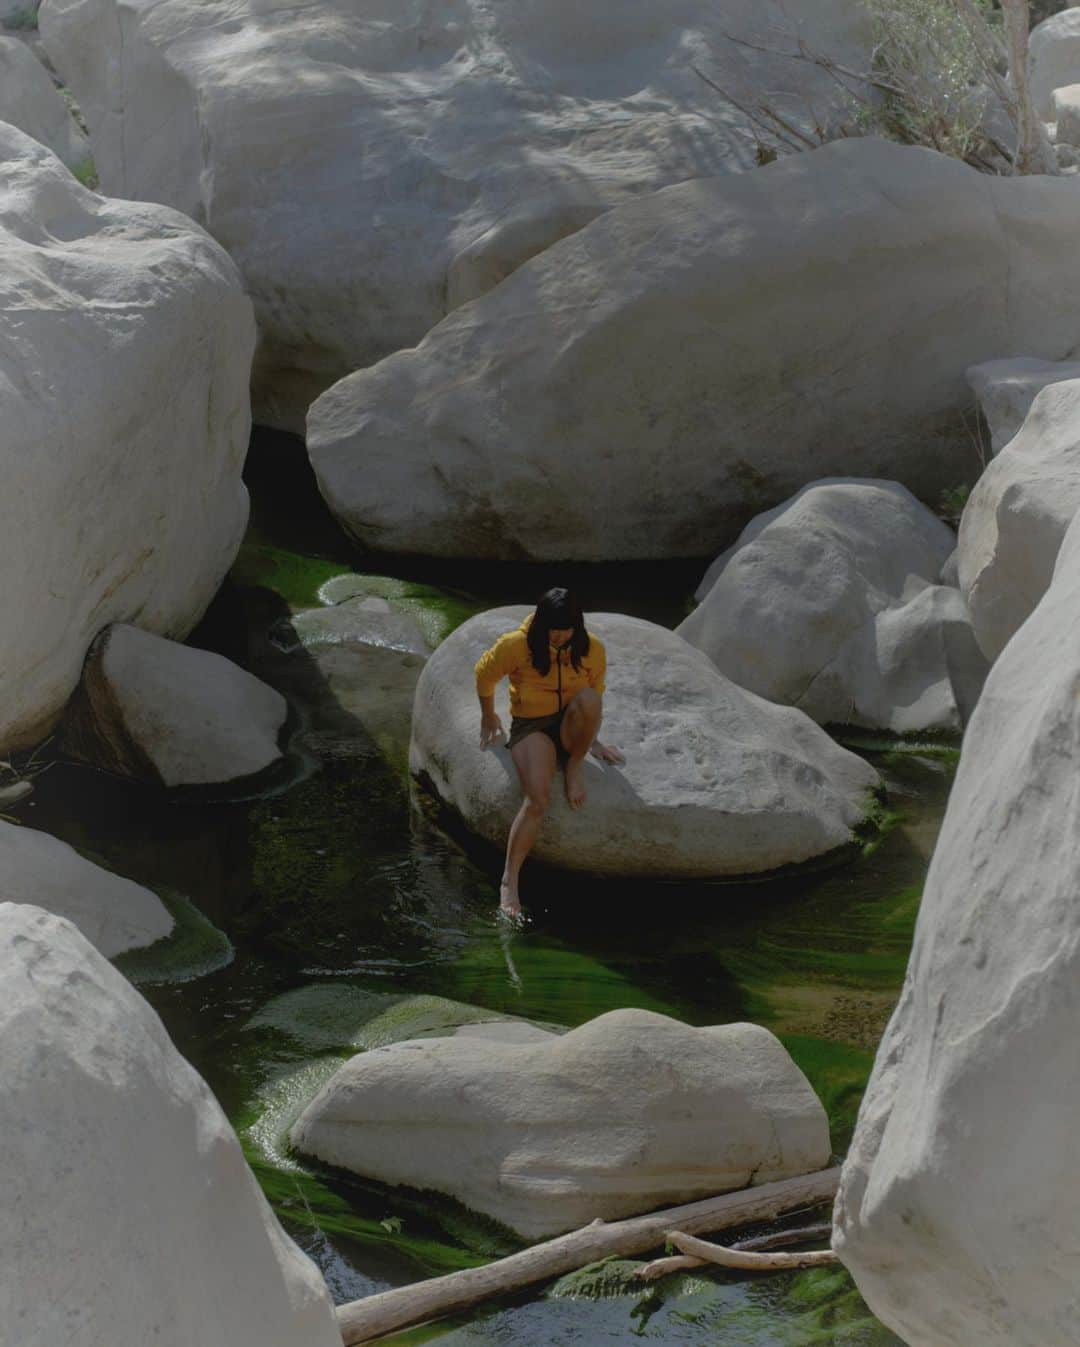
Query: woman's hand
point(607, 753)
point(491, 728)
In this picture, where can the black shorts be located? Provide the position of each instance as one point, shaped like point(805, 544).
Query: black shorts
point(522, 726)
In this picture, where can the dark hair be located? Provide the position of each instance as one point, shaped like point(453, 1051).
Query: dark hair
point(557, 608)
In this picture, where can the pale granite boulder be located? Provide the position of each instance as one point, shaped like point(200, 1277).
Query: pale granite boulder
point(125, 350)
point(168, 713)
point(1054, 58)
point(831, 603)
point(958, 1212)
point(31, 101)
point(114, 914)
point(1005, 390)
point(716, 780)
point(545, 1132)
point(1016, 517)
point(689, 359)
point(129, 1214)
point(372, 165)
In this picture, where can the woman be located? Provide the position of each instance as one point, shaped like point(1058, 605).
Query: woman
point(556, 671)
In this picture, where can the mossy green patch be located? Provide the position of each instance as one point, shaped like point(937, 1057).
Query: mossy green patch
point(599, 1281)
point(436, 611)
point(194, 948)
point(297, 578)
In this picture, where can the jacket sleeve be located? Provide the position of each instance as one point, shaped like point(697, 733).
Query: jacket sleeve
point(496, 663)
point(597, 666)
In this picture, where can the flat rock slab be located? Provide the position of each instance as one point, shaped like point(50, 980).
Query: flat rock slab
point(129, 1213)
point(544, 1133)
point(716, 781)
point(168, 713)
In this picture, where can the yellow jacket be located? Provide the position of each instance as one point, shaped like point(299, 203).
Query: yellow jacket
point(532, 694)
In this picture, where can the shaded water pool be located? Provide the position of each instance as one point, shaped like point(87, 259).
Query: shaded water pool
point(332, 895)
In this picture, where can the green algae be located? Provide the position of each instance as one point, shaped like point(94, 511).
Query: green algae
point(193, 949)
point(295, 577)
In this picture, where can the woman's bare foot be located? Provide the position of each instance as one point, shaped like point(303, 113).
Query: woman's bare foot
point(509, 902)
point(575, 784)
point(607, 753)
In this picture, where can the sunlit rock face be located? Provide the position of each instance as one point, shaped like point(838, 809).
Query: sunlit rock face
point(831, 603)
point(1005, 390)
point(129, 1214)
point(716, 780)
point(957, 1212)
point(643, 388)
point(373, 164)
point(30, 101)
point(543, 1132)
point(1017, 516)
point(125, 347)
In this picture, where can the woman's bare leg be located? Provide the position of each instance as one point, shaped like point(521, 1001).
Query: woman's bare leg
point(580, 726)
point(534, 758)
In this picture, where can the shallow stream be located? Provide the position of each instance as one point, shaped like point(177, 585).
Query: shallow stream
point(309, 912)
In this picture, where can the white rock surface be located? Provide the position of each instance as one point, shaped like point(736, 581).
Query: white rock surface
point(168, 713)
point(1017, 515)
point(368, 620)
point(370, 165)
point(1007, 388)
point(716, 782)
point(643, 388)
point(129, 1213)
point(125, 347)
point(545, 1135)
point(30, 101)
point(957, 1211)
point(1054, 58)
point(831, 603)
point(114, 914)
point(1067, 114)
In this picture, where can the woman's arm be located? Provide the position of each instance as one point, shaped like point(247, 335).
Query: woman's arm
point(491, 727)
point(493, 665)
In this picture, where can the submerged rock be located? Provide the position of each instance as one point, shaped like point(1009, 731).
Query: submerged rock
point(831, 603)
point(129, 1213)
point(1007, 388)
point(641, 389)
point(125, 348)
point(370, 166)
point(1017, 515)
point(544, 1132)
point(364, 620)
point(158, 711)
point(114, 914)
point(716, 781)
point(30, 101)
point(957, 1212)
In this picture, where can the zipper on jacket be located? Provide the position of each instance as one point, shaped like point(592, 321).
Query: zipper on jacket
point(558, 661)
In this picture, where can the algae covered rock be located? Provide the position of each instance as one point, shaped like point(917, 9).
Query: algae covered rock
point(129, 1213)
point(716, 780)
point(544, 1133)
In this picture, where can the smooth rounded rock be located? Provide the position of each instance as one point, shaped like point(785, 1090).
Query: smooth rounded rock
point(643, 388)
point(1006, 389)
point(544, 1132)
point(129, 1214)
point(1054, 58)
point(125, 350)
point(168, 713)
point(370, 165)
point(831, 603)
point(114, 914)
point(30, 101)
point(958, 1212)
point(716, 780)
point(1017, 515)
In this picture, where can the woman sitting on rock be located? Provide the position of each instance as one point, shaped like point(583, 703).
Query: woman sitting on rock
point(556, 671)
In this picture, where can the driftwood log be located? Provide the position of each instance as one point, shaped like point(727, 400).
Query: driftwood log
point(376, 1316)
point(745, 1261)
point(663, 1267)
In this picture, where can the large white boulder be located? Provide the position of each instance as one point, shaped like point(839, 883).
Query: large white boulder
point(152, 709)
point(371, 165)
point(831, 603)
point(129, 1213)
point(1054, 58)
point(125, 346)
point(30, 101)
point(545, 1133)
point(1017, 515)
point(716, 781)
point(958, 1211)
point(114, 914)
point(641, 389)
point(1005, 390)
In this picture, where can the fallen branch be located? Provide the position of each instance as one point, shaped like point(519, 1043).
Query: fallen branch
point(376, 1316)
point(663, 1267)
point(748, 1262)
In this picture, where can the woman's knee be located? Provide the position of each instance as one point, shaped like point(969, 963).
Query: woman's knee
point(537, 799)
point(585, 704)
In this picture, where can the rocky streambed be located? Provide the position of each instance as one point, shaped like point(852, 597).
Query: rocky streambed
point(329, 912)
